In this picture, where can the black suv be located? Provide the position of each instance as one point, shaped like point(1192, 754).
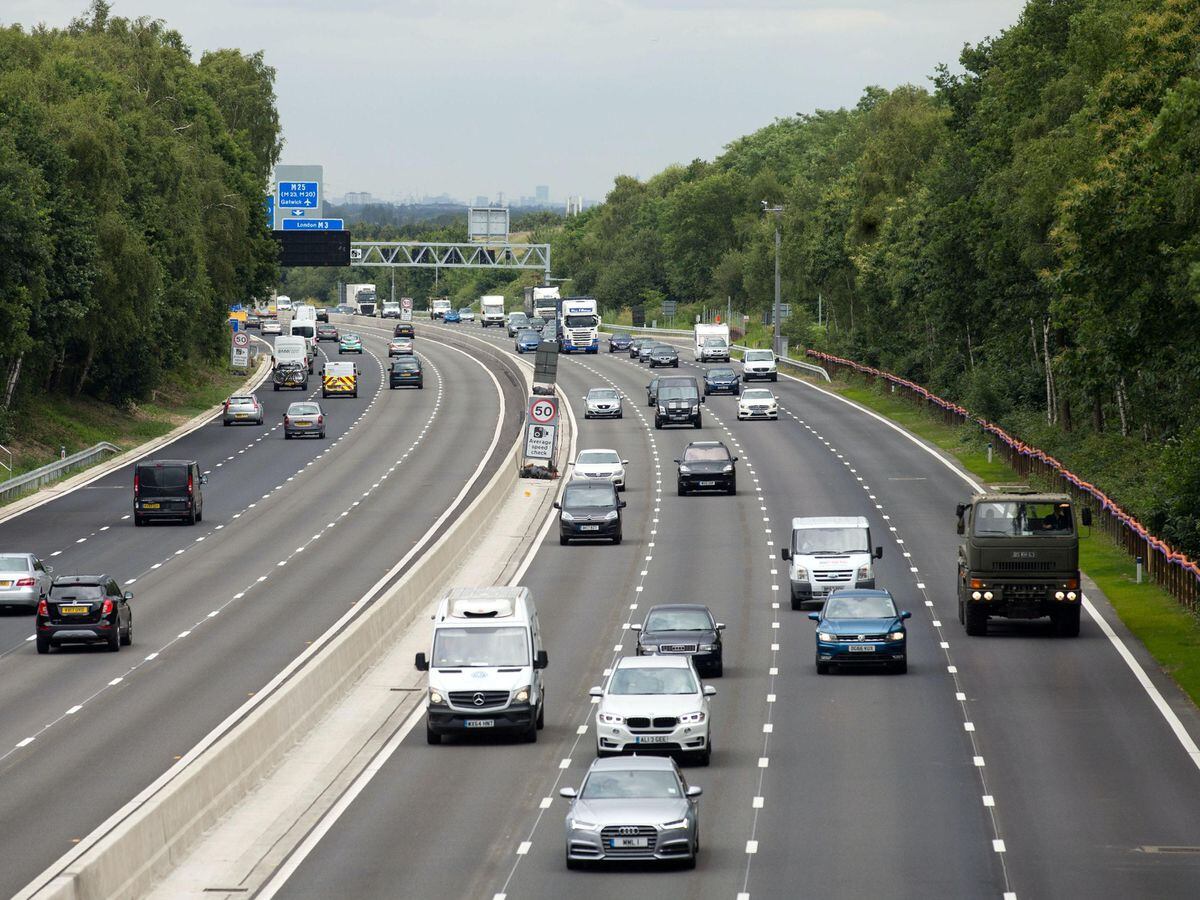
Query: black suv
point(589, 509)
point(683, 629)
point(677, 402)
point(405, 371)
point(168, 489)
point(84, 609)
point(707, 466)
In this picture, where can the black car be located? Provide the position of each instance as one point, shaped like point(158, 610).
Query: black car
point(404, 329)
point(589, 509)
point(327, 332)
point(707, 466)
point(664, 355)
point(619, 342)
point(683, 629)
point(652, 392)
point(322, 314)
point(84, 609)
point(253, 321)
point(405, 371)
point(677, 402)
point(168, 489)
point(722, 381)
point(635, 346)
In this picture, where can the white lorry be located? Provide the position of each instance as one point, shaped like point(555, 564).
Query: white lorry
point(361, 297)
point(827, 553)
point(712, 343)
point(491, 311)
point(579, 328)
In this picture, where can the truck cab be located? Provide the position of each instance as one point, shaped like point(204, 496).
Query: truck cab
point(1018, 558)
point(829, 553)
point(579, 326)
point(485, 664)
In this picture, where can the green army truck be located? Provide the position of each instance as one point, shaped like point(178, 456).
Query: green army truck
point(1019, 559)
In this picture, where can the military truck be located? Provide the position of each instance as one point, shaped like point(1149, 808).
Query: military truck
point(1019, 559)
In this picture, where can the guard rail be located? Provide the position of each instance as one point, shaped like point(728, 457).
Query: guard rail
point(35, 478)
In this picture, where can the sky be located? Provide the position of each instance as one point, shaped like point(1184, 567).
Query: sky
point(473, 97)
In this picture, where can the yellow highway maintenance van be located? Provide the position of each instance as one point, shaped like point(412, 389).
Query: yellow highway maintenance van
point(339, 378)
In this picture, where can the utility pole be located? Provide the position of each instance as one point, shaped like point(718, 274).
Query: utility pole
point(776, 343)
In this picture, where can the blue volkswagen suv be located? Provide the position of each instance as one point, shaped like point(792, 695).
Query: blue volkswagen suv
point(861, 627)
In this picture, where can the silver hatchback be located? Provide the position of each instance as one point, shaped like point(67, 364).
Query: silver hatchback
point(242, 409)
point(633, 808)
point(602, 403)
point(304, 418)
point(24, 580)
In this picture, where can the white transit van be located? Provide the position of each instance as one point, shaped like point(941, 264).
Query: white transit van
point(292, 348)
point(485, 666)
point(827, 553)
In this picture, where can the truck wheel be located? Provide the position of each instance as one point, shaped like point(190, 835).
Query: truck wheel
point(975, 620)
point(1066, 622)
point(431, 736)
point(797, 602)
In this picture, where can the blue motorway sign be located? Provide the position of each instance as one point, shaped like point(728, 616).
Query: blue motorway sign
point(299, 194)
point(314, 225)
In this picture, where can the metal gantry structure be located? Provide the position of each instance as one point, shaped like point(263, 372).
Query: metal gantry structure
point(428, 255)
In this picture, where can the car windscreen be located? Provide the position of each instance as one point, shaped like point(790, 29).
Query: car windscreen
point(580, 321)
point(1023, 518)
point(303, 409)
point(721, 373)
point(706, 454)
point(818, 541)
point(405, 365)
point(714, 342)
point(162, 481)
point(652, 680)
point(14, 564)
point(593, 457)
point(676, 392)
point(480, 646)
point(579, 496)
point(465, 311)
point(603, 394)
point(758, 356)
point(678, 620)
point(528, 334)
point(303, 330)
point(663, 350)
point(351, 338)
point(241, 401)
point(757, 394)
point(631, 784)
point(518, 317)
point(66, 592)
point(859, 608)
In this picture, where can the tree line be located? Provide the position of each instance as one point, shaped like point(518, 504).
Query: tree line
point(1022, 235)
point(131, 203)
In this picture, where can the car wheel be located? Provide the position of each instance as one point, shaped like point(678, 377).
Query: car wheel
point(541, 718)
point(901, 667)
point(127, 640)
point(138, 522)
point(681, 489)
point(774, 377)
point(322, 435)
point(620, 415)
point(191, 518)
point(704, 757)
point(676, 364)
point(114, 640)
point(690, 862)
point(732, 489)
point(431, 736)
point(975, 620)
point(572, 864)
point(200, 515)
point(530, 735)
point(617, 539)
point(287, 436)
point(718, 669)
point(657, 424)
point(822, 668)
point(563, 541)
point(797, 602)
point(43, 644)
point(587, 415)
point(698, 423)
point(225, 423)
point(275, 387)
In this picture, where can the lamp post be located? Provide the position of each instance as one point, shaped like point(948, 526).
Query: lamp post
point(776, 343)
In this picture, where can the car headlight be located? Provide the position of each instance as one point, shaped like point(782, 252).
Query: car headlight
point(580, 825)
point(896, 636)
point(728, 468)
point(826, 637)
point(611, 515)
point(684, 470)
point(863, 573)
point(690, 718)
point(522, 695)
point(678, 823)
point(662, 409)
point(707, 648)
point(610, 719)
point(566, 516)
point(436, 698)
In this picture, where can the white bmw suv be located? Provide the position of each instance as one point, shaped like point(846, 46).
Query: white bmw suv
point(654, 703)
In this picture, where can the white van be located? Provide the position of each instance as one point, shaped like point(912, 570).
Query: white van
point(485, 666)
point(759, 364)
point(292, 348)
point(827, 553)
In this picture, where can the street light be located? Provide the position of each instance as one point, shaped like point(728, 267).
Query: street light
point(777, 342)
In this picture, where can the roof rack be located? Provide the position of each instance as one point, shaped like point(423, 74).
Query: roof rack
point(1013, 489)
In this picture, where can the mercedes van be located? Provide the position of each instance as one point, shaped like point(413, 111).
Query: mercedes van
point(485, 664)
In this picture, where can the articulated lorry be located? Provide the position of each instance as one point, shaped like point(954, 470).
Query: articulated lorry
point(542, 301)
point(1018, 558)
point(579, 325)
point(361, 297)
point(491, 311)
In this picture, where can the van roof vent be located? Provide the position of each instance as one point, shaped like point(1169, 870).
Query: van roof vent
point(481, 609)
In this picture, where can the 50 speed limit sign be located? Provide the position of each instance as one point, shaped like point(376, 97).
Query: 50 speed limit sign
point(241, 339)
point(543, 410)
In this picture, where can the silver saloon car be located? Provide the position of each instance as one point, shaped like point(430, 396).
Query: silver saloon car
point(24, 580)
point(602, 403)
point(632, 808)
point(242, 409)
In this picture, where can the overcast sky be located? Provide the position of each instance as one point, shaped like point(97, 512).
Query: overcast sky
point(469, 97)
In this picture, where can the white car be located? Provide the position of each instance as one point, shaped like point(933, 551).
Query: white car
point(272, 326)
point(593, 465)
point(757, 403)
point(466, 314)
point(654, 703)
point(759, 364)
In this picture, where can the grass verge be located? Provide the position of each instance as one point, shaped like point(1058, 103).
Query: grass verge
point(44, 424)
point(1169, 631)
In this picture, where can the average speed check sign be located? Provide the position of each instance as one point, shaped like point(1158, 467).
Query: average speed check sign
point(543, 410)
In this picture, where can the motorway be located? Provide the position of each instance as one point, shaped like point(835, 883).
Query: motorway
point(294, 532)
point(1017, 765)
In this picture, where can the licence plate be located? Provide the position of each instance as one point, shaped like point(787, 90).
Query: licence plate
point(629, 842)
point(708, 484)
point(304, 423)
point(74, 610)
point(862, 648)
point(150, 506)
point(5, 584)
point(479, 723)
point(241, 415)
point(589, 527)
point(653, 739)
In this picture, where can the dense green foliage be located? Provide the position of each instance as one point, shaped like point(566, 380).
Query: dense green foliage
point(1024, 237)
point(131, 191)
